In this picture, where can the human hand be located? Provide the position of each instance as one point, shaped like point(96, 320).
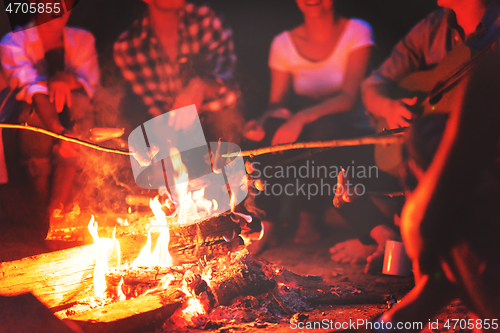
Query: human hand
point(254, 131)
point(351, 251)
point(193, 93)
point(59, 87)
point(397, 114)
point(289, 131)
point(180, 120)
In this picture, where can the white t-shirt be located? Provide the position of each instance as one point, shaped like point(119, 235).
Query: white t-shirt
point(319, 78)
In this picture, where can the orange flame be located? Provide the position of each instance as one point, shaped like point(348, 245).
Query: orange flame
point(233, 201)
point(160, 255)
point(121, 295)
point(102, 246)
point(187, 213)
point(190, 208)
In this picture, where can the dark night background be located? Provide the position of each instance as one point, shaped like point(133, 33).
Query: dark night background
point(254, 23)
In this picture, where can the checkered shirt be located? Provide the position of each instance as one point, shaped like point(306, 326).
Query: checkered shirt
point(206, 50)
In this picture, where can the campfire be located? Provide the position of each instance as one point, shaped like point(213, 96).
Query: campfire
point(186, 266)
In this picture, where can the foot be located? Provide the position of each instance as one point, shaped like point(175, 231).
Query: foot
point(306, 233)
point(381, 234)
point(351, 251)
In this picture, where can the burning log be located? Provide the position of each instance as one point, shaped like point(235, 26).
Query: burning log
point(58, 277)
point(229, 276)
point(54, 278)
point(135, 281)
point(236, 275)
point(217, 235)
point(144, 313)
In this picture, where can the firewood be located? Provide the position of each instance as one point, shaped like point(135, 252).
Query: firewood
point(58, 277)
point(145, 313)
point(135, 281)
point(236, 275)
point(192, 242)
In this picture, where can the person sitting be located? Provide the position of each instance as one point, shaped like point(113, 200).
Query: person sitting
point(449, 223)
point(55, 71)
point(180, 54)
point(316, 73)
point(474, 23)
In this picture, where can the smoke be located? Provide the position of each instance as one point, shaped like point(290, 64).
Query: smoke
point(104, 179)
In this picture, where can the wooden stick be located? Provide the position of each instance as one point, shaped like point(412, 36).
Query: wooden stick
point(66, 138)
point(383, 138)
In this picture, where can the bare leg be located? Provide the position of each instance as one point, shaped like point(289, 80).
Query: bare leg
point(35, 151)
point(65, 169)
point(423, 302)
point(64, 173)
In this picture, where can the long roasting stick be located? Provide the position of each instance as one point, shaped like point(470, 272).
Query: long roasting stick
point(66, 138)
point(385, 137)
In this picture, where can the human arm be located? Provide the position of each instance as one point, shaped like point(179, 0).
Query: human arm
point(280, 87)
point(19, 67)
point(47, 112)
point(342, 101)
point(376, 99)
point(408, 56)
point(81, 70)
point(60, 87)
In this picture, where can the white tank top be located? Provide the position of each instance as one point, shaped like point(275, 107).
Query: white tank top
point(319, 78)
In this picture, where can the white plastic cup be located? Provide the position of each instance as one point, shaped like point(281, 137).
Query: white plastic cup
point(396, 261)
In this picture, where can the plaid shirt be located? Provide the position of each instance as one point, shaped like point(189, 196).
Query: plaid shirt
point(206, 50)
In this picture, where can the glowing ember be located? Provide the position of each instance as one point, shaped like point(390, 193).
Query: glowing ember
point(193, 314)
